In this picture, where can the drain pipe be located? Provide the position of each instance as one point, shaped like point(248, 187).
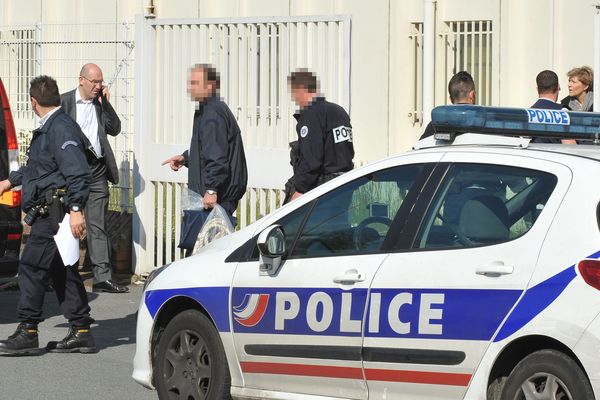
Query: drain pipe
point(428, 58)
point(597, 59)
point(149, 9)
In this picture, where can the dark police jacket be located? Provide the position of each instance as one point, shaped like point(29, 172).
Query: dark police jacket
point(55, 160)
point(216, 159)
point(108, 124)
point(325, 143)
point(548, 105)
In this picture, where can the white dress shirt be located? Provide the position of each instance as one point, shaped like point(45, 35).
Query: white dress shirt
point(88, 121)
point(43, 120)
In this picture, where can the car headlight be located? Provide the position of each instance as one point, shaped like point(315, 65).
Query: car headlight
point(153, 274)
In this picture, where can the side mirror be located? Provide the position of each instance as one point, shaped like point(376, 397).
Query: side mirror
point(271, 246)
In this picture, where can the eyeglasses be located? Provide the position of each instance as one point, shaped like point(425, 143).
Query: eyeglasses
point(93, 82)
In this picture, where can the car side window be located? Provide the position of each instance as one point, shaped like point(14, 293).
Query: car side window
point(482, 204)
point(355, 218)
point(292, 222)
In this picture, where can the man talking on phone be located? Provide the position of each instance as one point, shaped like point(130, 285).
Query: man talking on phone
point(89, 105)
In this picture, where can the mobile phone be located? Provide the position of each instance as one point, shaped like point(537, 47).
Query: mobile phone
point(102, 96)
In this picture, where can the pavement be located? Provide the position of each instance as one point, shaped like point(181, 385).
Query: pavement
point(49, 376)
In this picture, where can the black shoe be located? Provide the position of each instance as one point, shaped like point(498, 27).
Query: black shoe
point(23, 341)
point(109, 287)
point(78, 340)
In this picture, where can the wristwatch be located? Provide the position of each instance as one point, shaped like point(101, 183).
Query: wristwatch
point(211, 192)
point(75, 207)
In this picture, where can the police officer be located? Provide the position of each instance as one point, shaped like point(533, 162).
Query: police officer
point(325, 148)
point(461, 89)
point(55, 180)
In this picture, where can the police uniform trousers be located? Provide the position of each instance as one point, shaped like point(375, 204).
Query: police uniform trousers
point(40, 261)
point(96, 208)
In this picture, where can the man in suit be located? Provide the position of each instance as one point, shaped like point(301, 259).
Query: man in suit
point(89, 105)
point(548, 89)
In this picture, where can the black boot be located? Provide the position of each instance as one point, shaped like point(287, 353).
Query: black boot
point(78, 340)
point(23, 341)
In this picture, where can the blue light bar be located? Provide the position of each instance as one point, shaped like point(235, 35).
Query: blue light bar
point(526, 122)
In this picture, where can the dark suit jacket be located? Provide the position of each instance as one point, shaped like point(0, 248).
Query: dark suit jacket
point(108, 124)
point(547, 105)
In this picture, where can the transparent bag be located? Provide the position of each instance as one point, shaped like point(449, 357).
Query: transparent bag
point(191, 200)
point(217, 224)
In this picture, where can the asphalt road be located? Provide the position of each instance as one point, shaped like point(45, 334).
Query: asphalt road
point(102, 376)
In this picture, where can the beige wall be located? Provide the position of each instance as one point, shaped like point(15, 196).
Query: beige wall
point(531, 36)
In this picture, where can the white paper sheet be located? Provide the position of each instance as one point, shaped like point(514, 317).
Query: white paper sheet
point(68, 246)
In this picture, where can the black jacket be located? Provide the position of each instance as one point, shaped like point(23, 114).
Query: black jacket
point(56, 159)
point(429, 131)
point(565, 103)
point(216, 158)
point(325, 143)
point(108, 124)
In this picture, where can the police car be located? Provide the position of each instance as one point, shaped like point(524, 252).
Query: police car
point(465, 269)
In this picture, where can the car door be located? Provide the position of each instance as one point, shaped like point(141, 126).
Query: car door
point(300, 330)
point(472, 246)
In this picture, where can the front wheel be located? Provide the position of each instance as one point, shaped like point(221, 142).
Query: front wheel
point(547, 375)
point(190, 362)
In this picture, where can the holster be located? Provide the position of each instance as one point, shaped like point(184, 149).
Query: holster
point(290, 185)
point(294, 153)
point(56, 207)
point(327, 177)
point(289, 190)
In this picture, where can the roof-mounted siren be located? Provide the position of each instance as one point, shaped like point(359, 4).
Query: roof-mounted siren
point(449, 121)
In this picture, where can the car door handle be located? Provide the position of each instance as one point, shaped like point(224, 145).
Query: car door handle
point(495, 269)
point(351, 276)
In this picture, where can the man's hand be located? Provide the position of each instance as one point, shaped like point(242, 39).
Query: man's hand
point(210, 200)
point(77, 221)
point(105, 94)
point(4, 186)
point(296, 195)
point(174, 162)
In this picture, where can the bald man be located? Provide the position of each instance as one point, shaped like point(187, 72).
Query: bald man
point(89, 105)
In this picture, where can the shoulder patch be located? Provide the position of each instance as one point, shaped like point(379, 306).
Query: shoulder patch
point(68, 143)
point(304, 131)
point(342, 133)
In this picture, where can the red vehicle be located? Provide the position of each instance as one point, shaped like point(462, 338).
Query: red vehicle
point(11, 229)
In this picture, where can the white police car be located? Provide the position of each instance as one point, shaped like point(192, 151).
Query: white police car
point(464, 269)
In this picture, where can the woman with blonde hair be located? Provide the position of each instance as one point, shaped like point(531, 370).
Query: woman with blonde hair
point(580, 96)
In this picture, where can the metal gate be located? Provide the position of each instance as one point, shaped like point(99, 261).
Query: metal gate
point(254, 57)
point(60, 50)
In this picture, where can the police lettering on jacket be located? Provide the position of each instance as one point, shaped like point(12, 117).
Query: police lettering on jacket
point(325, 143)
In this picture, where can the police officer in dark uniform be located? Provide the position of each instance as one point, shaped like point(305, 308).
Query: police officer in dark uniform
point(55, 181)
point(324, 148)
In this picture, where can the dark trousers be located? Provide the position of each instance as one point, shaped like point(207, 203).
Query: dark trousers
point(96, 208)
point(40, 261)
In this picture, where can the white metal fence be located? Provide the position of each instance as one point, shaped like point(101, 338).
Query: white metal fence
point(60, 50)
point(254, 57)
point(468, 46)
point(460, 46)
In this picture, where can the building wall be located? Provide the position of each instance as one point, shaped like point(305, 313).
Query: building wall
point(530, 36)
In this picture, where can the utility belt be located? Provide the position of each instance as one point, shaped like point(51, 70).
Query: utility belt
point(52, 206)
point(327, 177)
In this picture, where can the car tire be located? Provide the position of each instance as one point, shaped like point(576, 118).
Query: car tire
point(547, 374)
point(190, 361)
